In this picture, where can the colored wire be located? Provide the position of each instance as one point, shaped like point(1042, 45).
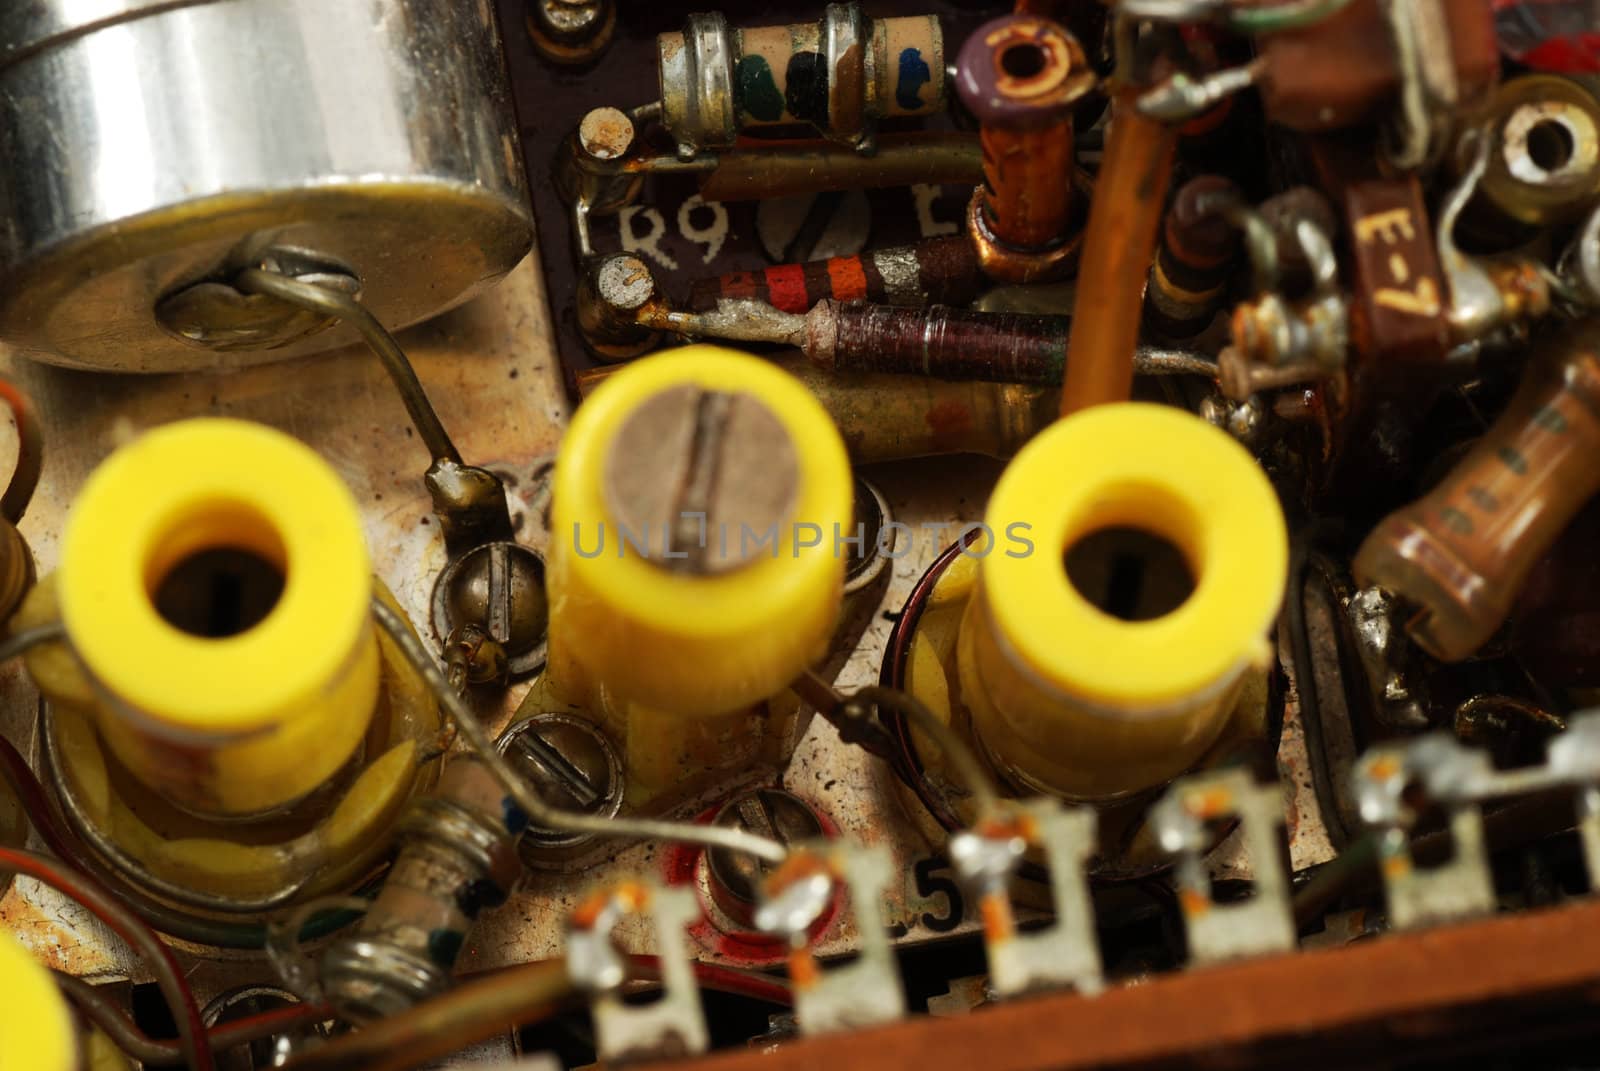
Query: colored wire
point(130, 928)
point(956, 750)
point(20, 642)
point(126, 1035)
point(486, 1005)
point(1357, 862)
point(537, 811)
point(1293, 15)
point(30, 454)
point(474, 1011)
point(721, 979)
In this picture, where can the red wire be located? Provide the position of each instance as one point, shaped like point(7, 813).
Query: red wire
point(131, 929)
point(94, 896)
point(727, 980)
point(30, 454)
point(266, 1024)
point(15, 769)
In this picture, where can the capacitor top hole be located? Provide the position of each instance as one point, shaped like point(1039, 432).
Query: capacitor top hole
point(219, 574)
point(1131, 573)
point(1550, 144)
point(1023, 60)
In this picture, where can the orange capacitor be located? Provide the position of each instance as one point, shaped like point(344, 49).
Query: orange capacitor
point(1117, 251)
point(1461, 553)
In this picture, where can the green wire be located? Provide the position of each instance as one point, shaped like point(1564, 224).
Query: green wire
point(1286, 16)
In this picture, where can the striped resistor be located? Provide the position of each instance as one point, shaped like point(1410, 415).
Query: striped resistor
point(935, 271)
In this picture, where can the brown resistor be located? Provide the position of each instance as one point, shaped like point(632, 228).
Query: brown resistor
point(935, 271)
point(1199, 249)
point(1461, 553)
point(939, 341)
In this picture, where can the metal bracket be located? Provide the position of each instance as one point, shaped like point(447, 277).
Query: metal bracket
point(1066, 953)
point(1574, 757)
point(1216, 932)
point(866, 992)
point(675, 1025)
point(1461, 780)
point(1454, 776)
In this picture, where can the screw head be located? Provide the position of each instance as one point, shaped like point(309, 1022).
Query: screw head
point(735, 877)
point(701, 477)
point(871, 514)
point(272, 1051)
point(499, 588)
point(573, 767)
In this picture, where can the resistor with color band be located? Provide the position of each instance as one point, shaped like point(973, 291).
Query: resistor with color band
point(935, 271)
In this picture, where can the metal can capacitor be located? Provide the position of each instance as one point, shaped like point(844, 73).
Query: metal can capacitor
point(150, 155)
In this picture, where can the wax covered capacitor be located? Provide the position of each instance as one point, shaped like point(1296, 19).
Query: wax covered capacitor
point(1460, 554)
point(1072, 695)
point(894, 417)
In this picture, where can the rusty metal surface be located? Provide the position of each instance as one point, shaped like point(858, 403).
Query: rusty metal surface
point(853, 792)
point(491, 370)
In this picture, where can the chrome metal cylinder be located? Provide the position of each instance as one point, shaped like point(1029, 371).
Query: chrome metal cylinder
point(151, 146)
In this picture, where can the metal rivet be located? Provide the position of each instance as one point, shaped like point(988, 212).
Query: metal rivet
point(499, 587)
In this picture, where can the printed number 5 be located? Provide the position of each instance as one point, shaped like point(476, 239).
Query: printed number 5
point(933, 879)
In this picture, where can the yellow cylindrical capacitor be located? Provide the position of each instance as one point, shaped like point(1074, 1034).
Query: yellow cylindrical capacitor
point(1069, 698)
point(215, 585)
point(36, 1028)
point(695, 566)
